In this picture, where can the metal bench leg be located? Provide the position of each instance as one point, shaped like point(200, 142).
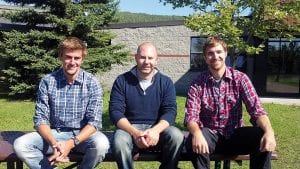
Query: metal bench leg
point(226, 164)
point(19, 164)
point(10, 165)
point(217, 164)
point(239, 162)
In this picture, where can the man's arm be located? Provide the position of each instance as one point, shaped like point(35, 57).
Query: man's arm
point(117, 101)
point(42, 113)
point(94, 108)
point(125, 125)
point(86, 132)
point(268, 142)
point(138, 135)
point(199, 143)
point(145, 138)
point(152, 134)
point(45, 131)
point(63, 148)
point(58, 149)
point(168, 105)
point(83, 135)
point(251, 99)
point(160, 126)
point(258, 115)
point(192, 119)
point(41, 120)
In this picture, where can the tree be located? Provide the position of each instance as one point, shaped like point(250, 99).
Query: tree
point(30, 54)
point(267, 18)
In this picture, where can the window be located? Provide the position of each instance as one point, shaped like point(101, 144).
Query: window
point(283, 66)
point(196, 54)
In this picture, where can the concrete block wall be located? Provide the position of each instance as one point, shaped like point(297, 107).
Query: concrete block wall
point(173, 45)
point(169, 40)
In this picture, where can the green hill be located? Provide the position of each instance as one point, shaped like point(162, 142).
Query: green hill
point(128, 17)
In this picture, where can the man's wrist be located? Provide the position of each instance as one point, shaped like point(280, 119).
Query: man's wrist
point(54, 145)
point(269, 132)
point(76, 141)
point(134, 132)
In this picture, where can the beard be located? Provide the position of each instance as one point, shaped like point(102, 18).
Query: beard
point(217, 65)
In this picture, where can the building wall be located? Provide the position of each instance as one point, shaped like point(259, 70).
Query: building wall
point(169, 40)
point(173, 45)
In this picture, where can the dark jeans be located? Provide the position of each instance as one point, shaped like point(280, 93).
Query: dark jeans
point(244, 140)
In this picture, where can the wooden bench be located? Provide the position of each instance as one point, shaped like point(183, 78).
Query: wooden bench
point(7, 155)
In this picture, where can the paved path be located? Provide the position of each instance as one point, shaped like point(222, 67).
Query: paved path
point(287, 101)
point(280, 87)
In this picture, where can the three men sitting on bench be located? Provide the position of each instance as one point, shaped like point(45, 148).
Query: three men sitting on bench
point(143, 108)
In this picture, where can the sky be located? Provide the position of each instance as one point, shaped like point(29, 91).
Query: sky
point(153, 7)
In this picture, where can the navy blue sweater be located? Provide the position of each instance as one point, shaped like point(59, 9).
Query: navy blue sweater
point(128, 100)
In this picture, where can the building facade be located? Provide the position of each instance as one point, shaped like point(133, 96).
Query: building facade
point(172, 40)
point(274, 72)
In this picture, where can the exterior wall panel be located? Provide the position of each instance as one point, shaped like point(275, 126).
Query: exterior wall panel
point(173, 45)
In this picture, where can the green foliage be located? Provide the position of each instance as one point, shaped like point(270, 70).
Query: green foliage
point(127, 17)
point(27, 58)
point(267, 18)
point(30, 55)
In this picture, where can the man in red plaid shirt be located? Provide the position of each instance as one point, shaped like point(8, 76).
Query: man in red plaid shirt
point(213, 113)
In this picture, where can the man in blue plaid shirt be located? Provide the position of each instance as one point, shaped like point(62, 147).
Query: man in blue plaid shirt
point(67, 116)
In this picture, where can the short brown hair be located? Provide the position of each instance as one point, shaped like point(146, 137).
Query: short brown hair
point(72, 43)
point(213, 41)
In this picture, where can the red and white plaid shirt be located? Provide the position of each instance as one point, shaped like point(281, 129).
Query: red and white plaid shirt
point(218, 105)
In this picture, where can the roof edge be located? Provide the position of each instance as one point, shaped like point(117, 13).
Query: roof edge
point(145, 24)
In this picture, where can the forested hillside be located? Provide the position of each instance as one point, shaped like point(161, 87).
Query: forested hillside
point(127, 17)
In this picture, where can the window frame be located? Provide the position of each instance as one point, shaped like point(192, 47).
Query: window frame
point(197, 62)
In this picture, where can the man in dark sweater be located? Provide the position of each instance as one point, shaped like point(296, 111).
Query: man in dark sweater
point(143, 107)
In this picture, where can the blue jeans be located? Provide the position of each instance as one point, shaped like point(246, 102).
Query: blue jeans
point(170, 142)
point(31, 148)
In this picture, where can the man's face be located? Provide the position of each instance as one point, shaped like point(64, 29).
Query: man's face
point(146, 60)
point(215, 57)
point(71, 60)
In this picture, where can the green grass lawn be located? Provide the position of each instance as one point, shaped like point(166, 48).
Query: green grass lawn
point(17, 115)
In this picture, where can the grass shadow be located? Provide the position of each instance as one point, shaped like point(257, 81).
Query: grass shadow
point(6, 96)
point(106, 123)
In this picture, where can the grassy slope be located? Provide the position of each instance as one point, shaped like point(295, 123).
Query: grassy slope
point(128, 17)
point(17, 115)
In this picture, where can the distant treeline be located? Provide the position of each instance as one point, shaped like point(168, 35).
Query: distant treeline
point(128, 17)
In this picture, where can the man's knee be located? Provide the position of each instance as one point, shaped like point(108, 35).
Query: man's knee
point(174, 134)
point(122, 140)
point(19, 145)
point(23, 144)
point(101, 142)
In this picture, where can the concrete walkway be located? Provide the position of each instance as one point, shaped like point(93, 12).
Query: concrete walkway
point(286, 101)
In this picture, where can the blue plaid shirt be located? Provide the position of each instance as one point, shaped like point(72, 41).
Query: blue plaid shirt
point(63, 105)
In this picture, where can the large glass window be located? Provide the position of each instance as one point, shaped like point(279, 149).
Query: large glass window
point(196, 61)
point(283, 66)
